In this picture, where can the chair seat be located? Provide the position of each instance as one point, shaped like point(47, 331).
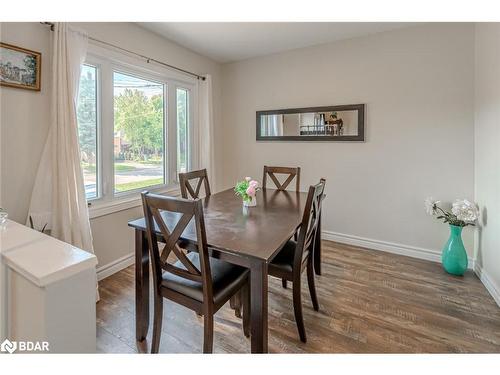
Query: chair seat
point(283, 262)
point(226, 279)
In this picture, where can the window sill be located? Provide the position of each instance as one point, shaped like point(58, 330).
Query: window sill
point(99, 209)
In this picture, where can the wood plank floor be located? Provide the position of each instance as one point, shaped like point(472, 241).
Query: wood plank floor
point(370, 302)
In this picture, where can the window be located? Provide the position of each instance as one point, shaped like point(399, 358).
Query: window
point(182, 129)
point(138, 132)
point(87, 128)
point(131, 138)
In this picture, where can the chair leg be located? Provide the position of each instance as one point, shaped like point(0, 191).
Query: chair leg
point(310, 282)
point(158, 318)
point(235, 303)
point(297, 308)
point(246, 310)
point(283, 283)
point(208, 330)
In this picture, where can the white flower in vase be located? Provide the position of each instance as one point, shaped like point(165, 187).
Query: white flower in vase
point(465, 210)
point(431, 206)
point(462, 214)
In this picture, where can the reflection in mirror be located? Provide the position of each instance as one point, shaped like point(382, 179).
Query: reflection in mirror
point(342, 122)
point(271, 125)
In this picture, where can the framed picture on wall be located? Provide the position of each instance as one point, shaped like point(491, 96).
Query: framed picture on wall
point(19, 67)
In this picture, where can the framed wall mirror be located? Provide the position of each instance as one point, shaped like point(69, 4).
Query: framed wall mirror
point(333, 123)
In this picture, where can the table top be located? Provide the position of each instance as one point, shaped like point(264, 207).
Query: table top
point(257, 232)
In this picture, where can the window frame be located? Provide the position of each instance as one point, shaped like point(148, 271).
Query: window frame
point(115, 68)
point(190, 130)
point(107, 62)
point(93, 63)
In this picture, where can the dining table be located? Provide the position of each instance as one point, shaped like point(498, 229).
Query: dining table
point(246, 236)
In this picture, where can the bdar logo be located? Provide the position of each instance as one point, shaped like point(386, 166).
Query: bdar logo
point(8, 346)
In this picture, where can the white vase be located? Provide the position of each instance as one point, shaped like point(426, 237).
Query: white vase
point(251, 203)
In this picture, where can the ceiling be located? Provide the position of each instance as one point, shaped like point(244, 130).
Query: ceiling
point(233, 41)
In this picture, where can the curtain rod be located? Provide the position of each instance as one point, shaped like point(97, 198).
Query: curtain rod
point(148, 59)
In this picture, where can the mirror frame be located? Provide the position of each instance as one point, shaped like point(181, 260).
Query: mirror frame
point(360, 137)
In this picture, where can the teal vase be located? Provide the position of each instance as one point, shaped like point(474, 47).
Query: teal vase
point(454, 255)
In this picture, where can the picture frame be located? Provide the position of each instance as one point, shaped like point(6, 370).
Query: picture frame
point(20, 67)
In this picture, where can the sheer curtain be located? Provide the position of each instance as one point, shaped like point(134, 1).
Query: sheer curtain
point(206, 127)
point(272, 125)
point(58, 197)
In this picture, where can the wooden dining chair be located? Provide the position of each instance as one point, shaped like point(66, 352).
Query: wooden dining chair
point(195, 280)
point(297, 256)
point(186, 187)
point(188, 192)
point(291, 172)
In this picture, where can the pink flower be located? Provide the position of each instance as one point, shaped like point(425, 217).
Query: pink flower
point(251, 191)
point(254, 184)
point(248, 179)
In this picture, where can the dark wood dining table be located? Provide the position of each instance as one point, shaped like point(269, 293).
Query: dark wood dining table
point(246, 236)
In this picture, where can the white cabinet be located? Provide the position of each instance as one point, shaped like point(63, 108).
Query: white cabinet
point(48, 291)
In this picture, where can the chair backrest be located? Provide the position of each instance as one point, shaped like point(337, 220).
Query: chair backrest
point(309, 226)
point(186, 187)
point(291, 172)
point(183, 210)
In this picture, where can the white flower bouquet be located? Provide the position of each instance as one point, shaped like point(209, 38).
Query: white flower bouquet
point(463, 212)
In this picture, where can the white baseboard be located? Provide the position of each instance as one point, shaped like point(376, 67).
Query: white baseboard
point(115, 266)
point(488, 283)
point(389, 247)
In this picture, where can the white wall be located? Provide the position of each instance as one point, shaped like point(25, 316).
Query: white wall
point(417, 84)
point(24, 122)
point(487, 154)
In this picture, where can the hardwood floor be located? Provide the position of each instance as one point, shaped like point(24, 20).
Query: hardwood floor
point(370, 302)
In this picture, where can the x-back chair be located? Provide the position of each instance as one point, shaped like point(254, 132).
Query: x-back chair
point(195, 280)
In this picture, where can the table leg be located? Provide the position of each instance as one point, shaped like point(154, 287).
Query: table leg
point(141, 285)
point(317, 249)
point(258, 309)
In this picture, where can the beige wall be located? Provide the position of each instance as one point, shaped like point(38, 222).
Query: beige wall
point(487, 153)
point(24, 122)
point(417, 84)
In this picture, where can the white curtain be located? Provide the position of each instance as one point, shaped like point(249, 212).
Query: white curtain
point(271, 125)
point(206, 127)
point(58, 197)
